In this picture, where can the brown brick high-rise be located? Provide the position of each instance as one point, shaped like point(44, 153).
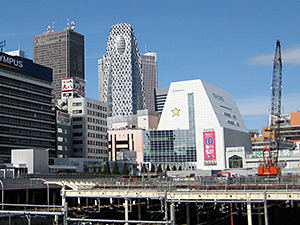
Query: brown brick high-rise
point(63, 51)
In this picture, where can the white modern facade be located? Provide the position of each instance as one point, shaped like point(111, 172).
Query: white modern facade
point(122, 74)
point(198, 122)
point(89, 126)
point(36, 160)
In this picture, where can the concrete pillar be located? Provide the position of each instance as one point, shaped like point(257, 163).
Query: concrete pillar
point(56, 220)
point(18, 197)
point(266, 211)
point(173, 216)
point(63, 198)
point(259, 214)
point(249, 213)
point(231, 213)
point(65, 221)
point(139, 209)
point(198, 215)
point(27, 196)
point(98, 204)
point(33, 197)
point(126, 211)
point(188, 221)
point(54, 197)
point(78, 201)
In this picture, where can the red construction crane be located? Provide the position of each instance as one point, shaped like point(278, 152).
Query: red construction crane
point(270, 154)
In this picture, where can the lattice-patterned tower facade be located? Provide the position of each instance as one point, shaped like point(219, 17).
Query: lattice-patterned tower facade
point(123, 79)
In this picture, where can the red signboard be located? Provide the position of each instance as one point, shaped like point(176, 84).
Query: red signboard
point(209, 146)
point(73, 84)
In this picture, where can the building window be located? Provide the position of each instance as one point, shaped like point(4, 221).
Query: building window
point(77, 111)
point(77, 104)
point(235, 162)
point(227, 114)
point(230, 122)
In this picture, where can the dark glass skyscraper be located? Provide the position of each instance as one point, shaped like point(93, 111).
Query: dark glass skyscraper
point(63, 52)
point(149, 70)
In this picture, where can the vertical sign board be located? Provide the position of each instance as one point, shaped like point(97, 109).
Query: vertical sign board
point(209, 146)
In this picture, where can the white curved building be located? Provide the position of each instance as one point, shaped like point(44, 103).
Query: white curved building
point(123, 80)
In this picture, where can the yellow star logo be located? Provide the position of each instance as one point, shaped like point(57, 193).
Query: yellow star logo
point(175, 112)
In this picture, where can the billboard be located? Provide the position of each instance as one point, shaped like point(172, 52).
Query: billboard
point(73, 84)
point(63, 118)
point(209, 143)
point(25, 67)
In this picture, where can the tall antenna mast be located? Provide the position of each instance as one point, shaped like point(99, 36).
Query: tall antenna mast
point(53, 25)
point(2, 46)
point(68, 23)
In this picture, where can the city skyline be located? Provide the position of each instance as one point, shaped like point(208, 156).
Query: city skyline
point(228, 44)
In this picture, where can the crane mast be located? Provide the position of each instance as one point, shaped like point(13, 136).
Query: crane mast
point(275, 116)
point(276, 86)
point(270, 154)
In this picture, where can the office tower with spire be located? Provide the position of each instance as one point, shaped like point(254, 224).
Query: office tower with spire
point(123, 89)
point(63, 52)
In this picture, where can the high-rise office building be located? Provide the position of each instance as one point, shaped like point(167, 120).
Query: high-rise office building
point(160, 95)
point(101, 63)
point(149, 70)
point(27, 117)
point(89, 128)
point(63, 52)
point(123, 80)
point(89, 121)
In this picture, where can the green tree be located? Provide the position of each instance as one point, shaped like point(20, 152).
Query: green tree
point(116, 170)
point(174, 168)
point(125, 170)
point(106, 170)
point(152, 168)
point(159, 169)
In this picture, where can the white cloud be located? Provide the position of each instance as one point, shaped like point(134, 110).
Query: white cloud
point(289, 56)
point(261, 105)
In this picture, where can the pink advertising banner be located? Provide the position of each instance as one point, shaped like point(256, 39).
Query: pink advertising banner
point(209, 146)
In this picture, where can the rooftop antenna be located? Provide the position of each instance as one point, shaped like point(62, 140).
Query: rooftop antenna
point(53, 25)
point(73, 25)
point(145, 48)
point(2, 46)
point(68, 23)
point(48, 29)
point(19, 46)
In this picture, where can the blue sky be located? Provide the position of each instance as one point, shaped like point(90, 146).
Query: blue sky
point(229, 44)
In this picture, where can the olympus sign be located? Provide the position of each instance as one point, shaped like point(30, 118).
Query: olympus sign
point(11, 62)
